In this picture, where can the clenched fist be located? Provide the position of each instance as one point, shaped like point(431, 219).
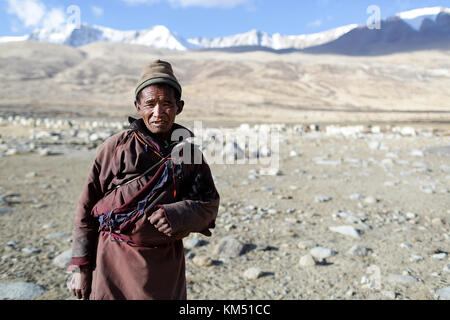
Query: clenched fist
point(159, 220)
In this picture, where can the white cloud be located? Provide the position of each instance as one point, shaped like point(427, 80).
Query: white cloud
point(33, 13)
point(315, 23)
point(195, 3)
point(97, 11)
point(54, 18)
point(30, 12)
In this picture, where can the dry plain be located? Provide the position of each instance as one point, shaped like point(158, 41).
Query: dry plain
point(386, 181)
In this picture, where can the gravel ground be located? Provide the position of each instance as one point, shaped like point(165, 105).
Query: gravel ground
point(389, 189)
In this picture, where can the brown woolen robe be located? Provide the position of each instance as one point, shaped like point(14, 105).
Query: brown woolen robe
point(153, 265)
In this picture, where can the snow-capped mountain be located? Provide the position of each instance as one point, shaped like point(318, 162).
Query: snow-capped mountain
point(421, 29)
point(416, 17)
point(414, 29)
point(157, 36)
point(275, 41)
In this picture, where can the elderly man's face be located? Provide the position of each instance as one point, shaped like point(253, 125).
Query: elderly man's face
point(158, 108)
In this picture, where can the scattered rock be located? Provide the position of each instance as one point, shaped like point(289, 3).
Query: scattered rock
point(321, 253)
point(358, 250)
point(307, 261)
point(370, 200)
point(437, 221)
point(30, 250)
point(355, 196)
point(191, 243)
point(229, 247)
point(252, 273)
point(271, 172)
point(389, 294)
point(57, 235)
point(30, 175)
point(306, 244)
point(439, 256)
point(401, 279)
point(5, 210)
point(446, 268)
point(20, 290)
point(49, 225)
point(416, 258)
point(443, 294)
point(322, 198)
point(63, 260)
point(202, 261)
point(347, 231)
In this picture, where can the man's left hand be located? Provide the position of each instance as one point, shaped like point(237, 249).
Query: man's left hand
point(159, 220)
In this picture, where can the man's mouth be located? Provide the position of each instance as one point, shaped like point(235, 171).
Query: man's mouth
point(159, 122)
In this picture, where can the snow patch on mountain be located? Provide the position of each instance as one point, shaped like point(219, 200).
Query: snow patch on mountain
point(275, 41)
point(415, 17)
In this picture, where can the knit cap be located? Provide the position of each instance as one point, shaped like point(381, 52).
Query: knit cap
point(158, 71)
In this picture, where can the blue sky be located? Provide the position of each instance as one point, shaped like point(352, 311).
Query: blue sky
point(207, 18)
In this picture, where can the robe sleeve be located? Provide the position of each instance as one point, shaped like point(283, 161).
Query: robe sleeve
point(85, 230)
point(197, 211)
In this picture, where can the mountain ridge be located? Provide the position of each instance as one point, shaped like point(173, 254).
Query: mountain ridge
point(417, 26)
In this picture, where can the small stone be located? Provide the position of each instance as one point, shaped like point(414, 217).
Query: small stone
point(20, 290)
point(49, 225)
point(57, 235)
point(322, 198)
point(30, 175)
point(347, 231)
point(401, 279)
point(13, 243)
point(267, 188)
point(229, 247)
point(370, 200)
point(358, 250)
point(406, 245)
point(417, 153)
point(30, 250)
point(416, 258)
point(439, 256)
point(437, 221)
point(389, 294)
point(355, 196)
point(410, 215)
point(321, 253)
point(5, 210)
point(202, 261)
point(43, 152)
point(374, 145)
point(271, 172)
point(63, 260)
point(446, 268)
point(443, 294)
point(191, 243)
point(306, 244)
point(252, 273)
point(307, 261)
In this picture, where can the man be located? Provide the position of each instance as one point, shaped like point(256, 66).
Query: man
point(138, 203)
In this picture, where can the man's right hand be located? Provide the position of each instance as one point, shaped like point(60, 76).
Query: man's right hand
point(81, 283)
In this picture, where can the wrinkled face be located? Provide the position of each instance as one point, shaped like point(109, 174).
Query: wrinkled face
point(158, 108)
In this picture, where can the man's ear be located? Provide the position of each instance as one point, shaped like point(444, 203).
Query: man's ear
point(136, 104)
point(180, 105)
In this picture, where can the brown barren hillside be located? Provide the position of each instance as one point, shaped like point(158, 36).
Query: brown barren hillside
point(98, 80)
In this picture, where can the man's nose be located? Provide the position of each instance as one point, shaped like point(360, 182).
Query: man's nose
point(158, 109)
